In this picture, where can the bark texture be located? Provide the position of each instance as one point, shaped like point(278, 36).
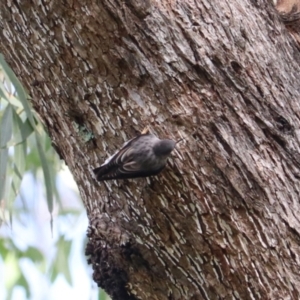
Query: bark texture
point(222, 221)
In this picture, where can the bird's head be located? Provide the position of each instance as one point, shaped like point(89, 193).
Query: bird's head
point(164, 147)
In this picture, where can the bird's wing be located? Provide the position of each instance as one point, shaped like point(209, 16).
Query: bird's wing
point(127, 171)
point(130, 167)
point(125, 146)
point(122, 164)
point(119, 164)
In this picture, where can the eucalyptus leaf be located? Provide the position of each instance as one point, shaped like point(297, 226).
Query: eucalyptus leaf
point(23, 282)
point(60, 264)
point(23, 130)
point(34, 254)
point(19, 88)
point(10, 195)
point(47, 177)
point(3, 167)
point(6, 126)
point(2, 92)
point(19, 157)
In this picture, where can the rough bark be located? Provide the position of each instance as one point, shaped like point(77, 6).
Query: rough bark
point(222, 221)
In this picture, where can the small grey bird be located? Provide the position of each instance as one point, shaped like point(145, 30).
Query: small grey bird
point(142, 156)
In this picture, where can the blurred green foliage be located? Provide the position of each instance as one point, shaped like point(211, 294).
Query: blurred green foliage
point(23, 133)
point(25, 147)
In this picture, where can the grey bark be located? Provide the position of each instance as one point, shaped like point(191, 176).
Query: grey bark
point(222, 221)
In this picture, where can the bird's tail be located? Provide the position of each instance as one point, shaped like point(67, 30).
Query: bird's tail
point(105, 172)
point(98, 172)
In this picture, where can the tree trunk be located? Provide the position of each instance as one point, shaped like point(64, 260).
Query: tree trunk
point(222, 220)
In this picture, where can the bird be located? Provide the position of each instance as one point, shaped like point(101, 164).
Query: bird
point(144, 155)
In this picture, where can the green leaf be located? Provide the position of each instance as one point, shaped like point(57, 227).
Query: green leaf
point(11, 277)
point(19, 88)
point(23, 283)
point(46, 171)
point(3, 166)
point(22, 129)
point(61, 261)
point(34, 254)
point(5, 136)
point(10, 195)
point(6, 126)
point(3, 250)
point(2, 93)
point(9, 97)
point(19, 158)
